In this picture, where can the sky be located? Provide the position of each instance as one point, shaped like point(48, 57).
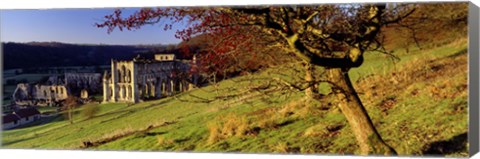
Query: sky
point(76, 26)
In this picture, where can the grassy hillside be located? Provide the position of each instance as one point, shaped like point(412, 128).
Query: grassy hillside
point(418, 104)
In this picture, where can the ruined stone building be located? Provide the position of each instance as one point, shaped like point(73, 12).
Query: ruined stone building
point(57, 89)
point(140, 78)
point(91, 82)
point(128, 81)
point(26, 94)
point(76, 82)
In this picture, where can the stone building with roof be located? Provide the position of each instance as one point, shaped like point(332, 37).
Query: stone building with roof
point(20, 117)
point(10, 121)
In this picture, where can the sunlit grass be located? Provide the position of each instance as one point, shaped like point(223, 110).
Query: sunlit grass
point(281, 124)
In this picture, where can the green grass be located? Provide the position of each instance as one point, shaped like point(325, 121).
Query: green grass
point(279, 123)
point(47, 109)
point(379, 63)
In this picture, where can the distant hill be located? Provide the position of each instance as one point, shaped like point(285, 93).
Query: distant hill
point(50, 54)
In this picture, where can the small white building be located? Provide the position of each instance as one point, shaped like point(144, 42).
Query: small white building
point(10, 121)
point(27, 115)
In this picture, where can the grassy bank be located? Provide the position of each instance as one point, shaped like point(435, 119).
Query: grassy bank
point(418, 104)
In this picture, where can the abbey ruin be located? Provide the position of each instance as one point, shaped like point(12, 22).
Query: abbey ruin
point(26, 94)
point(56, 89)
point(128, 81)
point(140, 79)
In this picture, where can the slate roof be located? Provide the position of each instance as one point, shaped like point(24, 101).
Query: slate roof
point(9, 118)
point(26, 112)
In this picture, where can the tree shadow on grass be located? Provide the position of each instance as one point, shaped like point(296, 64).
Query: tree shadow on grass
point(458, 53)
point(16, 141)
point(455, 144)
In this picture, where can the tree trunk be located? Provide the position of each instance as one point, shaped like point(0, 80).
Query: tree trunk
point(70, 115)
point(310, 90)
point(367, 136)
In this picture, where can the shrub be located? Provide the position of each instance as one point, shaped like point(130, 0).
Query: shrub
point(90, 110)
point(227, 126)
point(214, 133)
point(281, 147)
point(163, 141)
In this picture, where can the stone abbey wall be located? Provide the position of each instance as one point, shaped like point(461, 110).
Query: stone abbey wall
point(92, 82)
point(57, 88)
point(139, 79)
point(128, 81)
point(26, 94)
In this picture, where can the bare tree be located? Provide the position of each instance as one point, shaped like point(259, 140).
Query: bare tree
point(68, 106)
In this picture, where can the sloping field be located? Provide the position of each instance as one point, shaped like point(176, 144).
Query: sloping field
point(418, 104)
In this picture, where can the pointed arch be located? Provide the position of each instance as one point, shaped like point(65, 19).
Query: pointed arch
point(130, 90)
point(128, 76)
point(120, 75)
